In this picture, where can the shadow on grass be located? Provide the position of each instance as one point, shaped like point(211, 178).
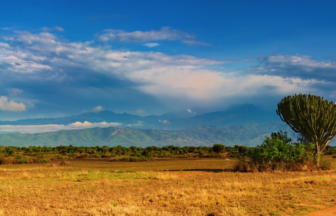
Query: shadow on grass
point(202, 170)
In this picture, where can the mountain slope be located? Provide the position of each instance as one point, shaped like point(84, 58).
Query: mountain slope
point(198, 135)
point(238, 115)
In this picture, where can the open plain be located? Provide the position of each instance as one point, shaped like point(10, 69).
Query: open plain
point(162, 187)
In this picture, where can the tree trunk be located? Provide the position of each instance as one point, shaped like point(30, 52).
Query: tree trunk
point(318, 156)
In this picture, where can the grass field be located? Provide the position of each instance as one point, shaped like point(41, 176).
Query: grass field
point(164, 187)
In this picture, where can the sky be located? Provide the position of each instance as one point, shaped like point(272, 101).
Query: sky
point(61, 58)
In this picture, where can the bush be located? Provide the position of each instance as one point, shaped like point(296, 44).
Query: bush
point(277, 153)
point(91, 151)
point(96, 156)
point(133, 159)
point(326, 164)
point(241, 166)
point(22, 161)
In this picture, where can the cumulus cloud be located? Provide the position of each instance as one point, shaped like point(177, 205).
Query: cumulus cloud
point(45, 57)
point(165, 33)
point(54, 127)
point(151, 45)
point(301, 66)
point(11, 106)
point(97, 109)
point(15, 91)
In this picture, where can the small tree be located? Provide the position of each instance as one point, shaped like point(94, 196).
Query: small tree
point(275, 153)
point(243, 149)
point(311, 116)
point(218, 148)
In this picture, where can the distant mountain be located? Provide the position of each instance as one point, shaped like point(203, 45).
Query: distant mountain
point(92, 117)
point(199, 135)
point(237, 115)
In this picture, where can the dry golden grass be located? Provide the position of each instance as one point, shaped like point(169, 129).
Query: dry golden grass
point(175, 187)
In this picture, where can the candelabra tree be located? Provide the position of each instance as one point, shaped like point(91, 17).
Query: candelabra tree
point(311, 116)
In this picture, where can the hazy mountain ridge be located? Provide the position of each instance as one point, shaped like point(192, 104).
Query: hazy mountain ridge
point(239, 115)
point(198, 135)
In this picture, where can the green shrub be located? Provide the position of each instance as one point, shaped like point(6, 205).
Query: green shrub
point(96, 156)
point(133, 159)
point(277, 153)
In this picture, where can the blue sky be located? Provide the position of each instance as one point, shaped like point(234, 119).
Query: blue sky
point(60, 58)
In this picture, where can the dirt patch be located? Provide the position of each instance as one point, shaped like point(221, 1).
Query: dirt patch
point(325, 212)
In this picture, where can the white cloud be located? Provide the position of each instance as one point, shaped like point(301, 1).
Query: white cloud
point(80, 124)
point(54, 127)
point(296, 66)
point(151, 45)
point(189, 111)
point(56, 28)
point(60, 29)
point(11, 106)
point(139, 123)
point(165, 33)
point(195, 43)
point(43, 56)
point(15, 91)
point(97, 109)
point(164, 121)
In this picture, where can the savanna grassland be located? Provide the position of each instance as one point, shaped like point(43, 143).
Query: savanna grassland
point(197, 186)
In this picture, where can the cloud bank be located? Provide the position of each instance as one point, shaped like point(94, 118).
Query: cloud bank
point(54, 127)
point(44, 57)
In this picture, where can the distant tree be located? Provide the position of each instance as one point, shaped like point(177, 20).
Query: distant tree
point(105, 149)
point(192, 149)
point(218, 148)
point(10, 150)
point(133, 148)
point(81, 150)
point(91, 151)
point(149, 148)
point(243, 149)
point(311, 116)
point(75, 149)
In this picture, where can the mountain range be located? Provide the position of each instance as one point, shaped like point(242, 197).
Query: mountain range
point(242, 125)
point(247, 114)
point(199, 135)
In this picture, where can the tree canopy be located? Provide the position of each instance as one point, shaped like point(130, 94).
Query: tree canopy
point(311, 116)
